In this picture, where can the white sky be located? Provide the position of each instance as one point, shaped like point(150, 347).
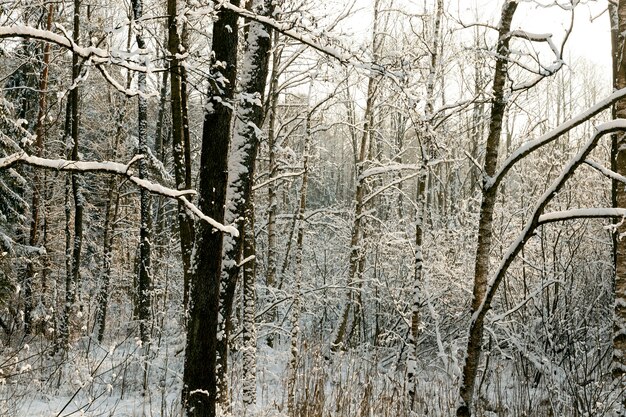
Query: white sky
point(590, 37)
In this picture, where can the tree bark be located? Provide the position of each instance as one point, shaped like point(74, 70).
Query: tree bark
point(145, 273)
point(270, 281)
point(618, 26)
point(180, 143)
point(199, 393)
point(481, 268)
point(241, 167)
point(426, 146)
point(249, 311)
point(295, 309)
point(73, 261)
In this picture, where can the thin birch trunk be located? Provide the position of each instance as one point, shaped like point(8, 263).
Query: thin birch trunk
point(426, 146)
point(295, 309)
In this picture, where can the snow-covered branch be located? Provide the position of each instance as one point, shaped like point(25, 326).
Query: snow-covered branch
point(115, 168)
point(15, 248)
point(306, 39)
point(542, 202)
point(219, 226)
point(93, 53)
point(552, 135)
point(277, 178)
point(584, 213)
point(605, 171)
point(286, 30)
point(387, 186)
point(556, 65)
point(21, 31)
point(128, 92)
point(387, 168)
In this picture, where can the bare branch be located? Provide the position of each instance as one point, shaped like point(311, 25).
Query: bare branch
point(343, 57)
point(542, 202)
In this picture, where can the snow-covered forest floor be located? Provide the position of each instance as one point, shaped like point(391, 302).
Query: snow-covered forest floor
point(111, 383)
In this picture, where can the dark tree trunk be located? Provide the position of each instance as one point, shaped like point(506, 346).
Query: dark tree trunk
point(619, 200)
point(200, 383)
point(180, 143)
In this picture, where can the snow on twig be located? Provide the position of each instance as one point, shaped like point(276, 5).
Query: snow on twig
point(277, 178)
point(95, 54)
point(232, 230)
point(342, 57)
point(387, 168)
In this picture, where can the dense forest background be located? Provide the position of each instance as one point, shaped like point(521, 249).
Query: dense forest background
point(339, 208)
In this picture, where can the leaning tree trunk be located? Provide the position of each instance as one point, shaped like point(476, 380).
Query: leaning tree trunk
point(73, 253)
point(241, 167)
point(199, 394)
point(619, 200)
point(483, 249)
